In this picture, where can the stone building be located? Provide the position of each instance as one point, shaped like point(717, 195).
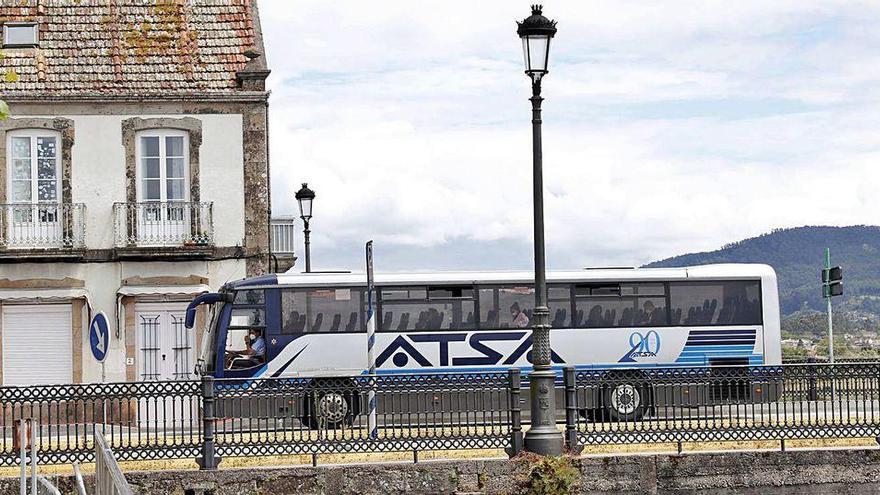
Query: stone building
point(133, 175)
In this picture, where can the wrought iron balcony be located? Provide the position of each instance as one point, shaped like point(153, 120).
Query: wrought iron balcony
point(164, 224)
point(42, 226)
point(283, 229)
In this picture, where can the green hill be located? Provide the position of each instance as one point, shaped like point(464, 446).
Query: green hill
point(797, 255)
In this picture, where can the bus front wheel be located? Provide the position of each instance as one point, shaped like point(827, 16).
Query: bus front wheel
point(327, 408)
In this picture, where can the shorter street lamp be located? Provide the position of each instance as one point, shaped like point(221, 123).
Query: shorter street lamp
point(304, 197)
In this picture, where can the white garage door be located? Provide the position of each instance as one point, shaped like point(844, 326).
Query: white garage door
point(37, 344)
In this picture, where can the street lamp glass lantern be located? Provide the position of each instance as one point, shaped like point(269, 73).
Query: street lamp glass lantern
point(304, 197)
point(536, 31)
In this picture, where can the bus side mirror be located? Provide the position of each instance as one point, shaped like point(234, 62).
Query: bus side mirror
point(207, 298)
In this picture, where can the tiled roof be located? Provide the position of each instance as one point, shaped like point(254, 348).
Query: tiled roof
point(131, 47)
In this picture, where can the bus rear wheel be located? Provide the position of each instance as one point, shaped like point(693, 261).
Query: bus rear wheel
point(327, 408)
point(626, 401)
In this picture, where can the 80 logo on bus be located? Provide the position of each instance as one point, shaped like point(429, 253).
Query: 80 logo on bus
point(642, 345)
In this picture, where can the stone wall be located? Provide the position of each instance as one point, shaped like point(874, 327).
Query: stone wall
point(839, 471)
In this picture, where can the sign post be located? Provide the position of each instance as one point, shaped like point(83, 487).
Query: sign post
point(99, 340)
point(828, 301)
point(371, 343)
point(832, 285)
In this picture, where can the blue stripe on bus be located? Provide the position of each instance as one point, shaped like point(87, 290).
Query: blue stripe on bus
point(720, 342)
point(704, 346)
point(697, 338)
point(527, 369)
point(739, 348)
point(723, 331)
point(754, 359)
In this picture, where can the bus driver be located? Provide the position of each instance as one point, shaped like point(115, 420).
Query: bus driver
point(254, 353)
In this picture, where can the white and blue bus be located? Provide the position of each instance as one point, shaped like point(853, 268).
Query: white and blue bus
point(314, 325)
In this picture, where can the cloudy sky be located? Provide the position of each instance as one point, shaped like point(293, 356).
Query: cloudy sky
point(669, 127)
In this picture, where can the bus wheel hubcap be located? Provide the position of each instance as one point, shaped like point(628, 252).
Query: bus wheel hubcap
point(332, 407)
point(625, 399)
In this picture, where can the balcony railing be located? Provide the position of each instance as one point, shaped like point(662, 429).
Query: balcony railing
point(42, 226)
point(283, 229)
point(164, 224)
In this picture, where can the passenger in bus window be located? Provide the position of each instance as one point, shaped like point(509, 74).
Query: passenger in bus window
point(646, 314)
point(517, 317)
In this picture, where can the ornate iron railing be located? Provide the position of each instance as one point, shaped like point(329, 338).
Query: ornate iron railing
point(184, 419)
point(158, 224)
point(42, 225)
point(211, 419)
point(413, 413)
point(723, 403)
point(141, 420)
point(282, 235)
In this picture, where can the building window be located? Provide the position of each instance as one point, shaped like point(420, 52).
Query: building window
point(163, 168)
point(34, 166)
point(19, 35)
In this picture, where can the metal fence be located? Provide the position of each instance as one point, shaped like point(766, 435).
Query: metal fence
point(208, 418)
point(140, 420)
point(824, 359)
point(109, 479)
point(42, 225)
point(724, 403)
point(413, 413)
point(211, 419)
point(171, 223)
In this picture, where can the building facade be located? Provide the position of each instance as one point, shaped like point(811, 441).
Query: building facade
point(133, 175)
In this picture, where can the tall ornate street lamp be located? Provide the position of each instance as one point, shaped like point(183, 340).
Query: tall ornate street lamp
point(543, 438)
point(304, 197)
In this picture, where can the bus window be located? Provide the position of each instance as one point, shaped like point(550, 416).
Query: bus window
point(433, 308)
point(333, 310)
point(650, 303)
point(602, 307)
point(559, 301)
point(489, 316)
point(252, 296)
point(620, 305)
point(515, 306)
point(727, 302)
point(456, 306)
point(247, 317)
point(512, 306)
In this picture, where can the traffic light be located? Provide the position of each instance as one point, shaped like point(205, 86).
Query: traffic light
point(832, 281)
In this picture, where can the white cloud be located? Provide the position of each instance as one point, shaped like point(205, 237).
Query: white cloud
point(669, 127)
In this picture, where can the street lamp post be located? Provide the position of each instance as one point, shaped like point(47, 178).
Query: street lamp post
point(304, 197)
point(543, 437)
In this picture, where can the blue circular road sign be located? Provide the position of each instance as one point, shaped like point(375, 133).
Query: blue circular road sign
point(99, 337)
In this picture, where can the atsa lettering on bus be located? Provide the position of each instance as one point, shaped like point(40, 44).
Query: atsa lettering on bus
point(403, 349)
point(642, 345)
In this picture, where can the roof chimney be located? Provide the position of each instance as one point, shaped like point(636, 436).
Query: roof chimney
point(253, 76)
